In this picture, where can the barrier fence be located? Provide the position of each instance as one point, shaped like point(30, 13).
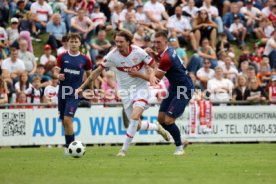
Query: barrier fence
point(41, 126)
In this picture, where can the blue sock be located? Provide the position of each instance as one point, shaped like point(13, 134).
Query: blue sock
point(174, 131)
point(69, 139)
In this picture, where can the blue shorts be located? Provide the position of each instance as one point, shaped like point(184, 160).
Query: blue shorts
point(173, 106)
point(67, 107)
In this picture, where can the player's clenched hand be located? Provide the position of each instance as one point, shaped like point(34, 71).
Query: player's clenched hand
point(133, 73)
point(154, 80)
point(61, 77)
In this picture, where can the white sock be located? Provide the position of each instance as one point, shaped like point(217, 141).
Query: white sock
point(148, 126)
point(131, 130)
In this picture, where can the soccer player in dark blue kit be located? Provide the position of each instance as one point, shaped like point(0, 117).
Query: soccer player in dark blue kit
point(180, 90)
point(70, 69)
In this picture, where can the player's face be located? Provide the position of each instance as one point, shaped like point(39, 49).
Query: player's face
point(121, 43)
point(74, 45)
point(160, 44)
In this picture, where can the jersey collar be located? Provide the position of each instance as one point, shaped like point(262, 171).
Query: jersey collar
point(73, 54)
point(162, 54)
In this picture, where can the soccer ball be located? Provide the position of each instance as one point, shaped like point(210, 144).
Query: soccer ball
point(77, 149)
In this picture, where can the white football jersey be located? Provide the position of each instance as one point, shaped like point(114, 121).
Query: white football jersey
point(136, 59)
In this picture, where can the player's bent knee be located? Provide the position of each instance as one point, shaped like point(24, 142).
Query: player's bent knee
point(169, 120)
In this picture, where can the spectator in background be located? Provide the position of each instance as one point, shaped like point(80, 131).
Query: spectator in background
point(4, 43)
point(156, 13)
point(13, 65)
point(69, 12)
point(230, 71)
point(264, 31)
point(27, 57)
point(64, 48)
point(110, 88)
point(100, 45)
point(98, 18)
point(238, 30)
point(56, 30)
point(251, 14)
point(205, 73)
point(3, 92)
point(115, 17)
point(272, 15)
point(228, 19)
point(43, 11)
point(270, 50)
point(244, 68)
point(35, 93)
point(139, 35)
point(241, 89)
point(272, 91)
point(213, 14)
point(22, 99)
point(47, 59)
point(51, 92)
point(40, 72)
point(28, 24)
point(26, 36)
point(263, 77)
point(20, 11)
point(12, 31)
point(181, 25)
point(268, 8)
point(190, 10)
point(23, 84)
point(129, 24)
point(251, 72)
point(204, 52)
point(223, 44)
point(205, 28)
point(255, 92)
point(129, 9)
point(173, 42)
point(4, 13)
point(82, 25)
point(219, 87)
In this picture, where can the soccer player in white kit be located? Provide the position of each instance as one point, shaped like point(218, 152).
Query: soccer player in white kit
point(133, 91)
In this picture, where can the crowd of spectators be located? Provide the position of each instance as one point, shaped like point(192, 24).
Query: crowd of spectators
point(227, 46)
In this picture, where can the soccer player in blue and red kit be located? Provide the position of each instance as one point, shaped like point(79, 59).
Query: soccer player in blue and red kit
point(180, 89)
point(70, 69)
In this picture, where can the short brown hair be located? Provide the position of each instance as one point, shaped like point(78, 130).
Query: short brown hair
point(74, 36)
point(128, 36)
point(36, 78)
point(162, 33)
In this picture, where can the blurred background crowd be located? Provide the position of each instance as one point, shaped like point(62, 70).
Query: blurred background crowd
point(227, 46)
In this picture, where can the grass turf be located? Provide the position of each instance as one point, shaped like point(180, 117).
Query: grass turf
point(202, 163)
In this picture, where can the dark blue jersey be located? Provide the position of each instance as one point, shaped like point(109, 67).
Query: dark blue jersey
point(174, 70)
point(73, 67)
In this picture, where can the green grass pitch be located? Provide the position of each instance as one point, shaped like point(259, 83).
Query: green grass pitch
point(202, 164)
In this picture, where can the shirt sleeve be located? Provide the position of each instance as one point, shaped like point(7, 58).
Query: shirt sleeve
point(165, 64)
point(59, 62)
point(88, 65)
point(146, 58)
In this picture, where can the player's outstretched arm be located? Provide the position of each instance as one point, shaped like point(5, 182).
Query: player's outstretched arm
point(93, 76)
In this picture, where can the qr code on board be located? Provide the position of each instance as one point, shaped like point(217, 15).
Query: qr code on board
point(13, 123)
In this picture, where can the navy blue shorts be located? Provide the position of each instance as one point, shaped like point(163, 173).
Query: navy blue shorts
point(67, 107)
point(173, 106)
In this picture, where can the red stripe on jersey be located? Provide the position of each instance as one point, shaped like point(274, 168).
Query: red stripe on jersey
point(42, 12)
point(165, 62)
point(88, 65)
point(135, 67)
point(151, 62)
point(59, 59)
point(141, 100)
point(129, 135)
point(130, 50)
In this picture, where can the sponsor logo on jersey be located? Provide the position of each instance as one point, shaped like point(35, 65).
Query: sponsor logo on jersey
point(66, 61)
point(70, 71)
point(135, 60)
